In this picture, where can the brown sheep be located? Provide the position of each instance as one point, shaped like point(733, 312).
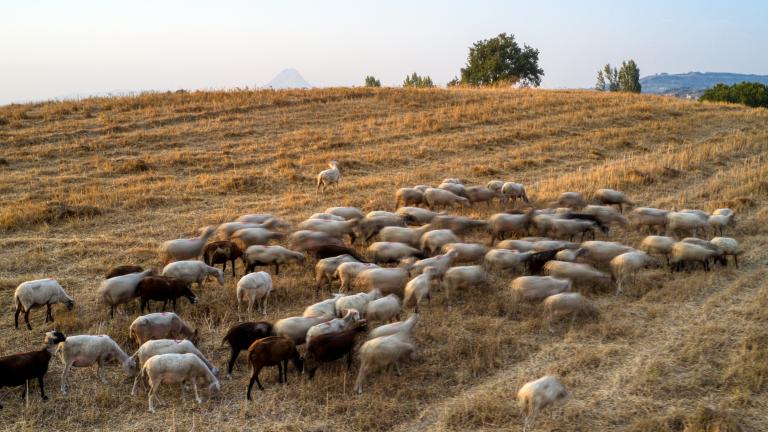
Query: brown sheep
point(272, 351)
point(219, 252)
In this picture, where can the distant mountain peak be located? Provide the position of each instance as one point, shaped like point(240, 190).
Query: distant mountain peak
point(693, 84)
point(288, 79)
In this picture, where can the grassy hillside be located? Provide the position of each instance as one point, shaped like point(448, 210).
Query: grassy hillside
point(91, 184)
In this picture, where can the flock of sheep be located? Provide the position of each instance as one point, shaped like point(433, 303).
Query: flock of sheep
point(418, 250)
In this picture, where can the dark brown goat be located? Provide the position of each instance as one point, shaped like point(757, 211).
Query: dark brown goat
point(163, 288)
point(329, 251)
point(272, 351)
point(19, 369)
point(123, 270)
point(241, 336)
point(325, 348)
point(537, 260)
point(219, 252)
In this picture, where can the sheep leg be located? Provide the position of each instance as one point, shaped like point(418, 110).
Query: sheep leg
point(100, 371)
point(64, 378)
point(232, 358)
point(194, 387)
point(48, 316)
point(135, 383)
point(150, 395)
point(254, 378)
point(251, 301)
point(280, 372)
point(26, 318)
point(264, 305)
point(16, 315)
point(277, 269)
point(735, 261)
point(41, 384)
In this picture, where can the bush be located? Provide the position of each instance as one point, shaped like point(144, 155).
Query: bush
point(371, 81)
point(748, 93)
point(414, 80)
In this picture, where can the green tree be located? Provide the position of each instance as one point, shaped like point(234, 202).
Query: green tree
point(629, 77)
point(500, 60)
point(371, 81)
point(611, 78)
point(600, 85)
point(414, 80)
point(748, 93)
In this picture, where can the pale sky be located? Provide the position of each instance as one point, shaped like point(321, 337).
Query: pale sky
point(51, 49)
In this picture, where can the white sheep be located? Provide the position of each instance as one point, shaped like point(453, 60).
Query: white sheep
point(334, 228)
point(720, 219)
point(683, 252)
point(348, 271)
point(661, 245)
point(184, 249)
point(418, 288)
point(568, 228)
point(577, 272)
point(358, 302)
point(347, 213)
point(649, 217)
point(254, 287)
point(387, 280)
point(515, 245)
point(477, 194)
point(389, 252)
point(602, 251)
point(36, 293)
point(466, 252)
point(443, 198)
point(416, 215)
point(574, 200)
point(270, 255)
point(408, 196)
point(409, 236)
point(405, 327)
point(686, 222)
point(502, 225)
point(324, 307)
point(255, 236)
point(625, 267)
point(122, 289)
point(174, 368)
point(612, 197)
point(87, 350)
point(433, 241)
point(537, 395)
point(550, 245)
point(534, 288)
point(193, 272)
point(329, 177)
point(505, 260)
point(606, 215)
point(160, 325)
point(152, 348)
point(464, 277)
point(495, 185)
point(335, 325)
point(440, 264)
point(729, 246)
point(455, 188)
point(296, 328)
point(327, 216)
point(569, 255)
point(371, 225)
point(385, 309)
point(382, 352)
point(568, 303)
point(226, 230)
point(326, 267)
point(513, 191)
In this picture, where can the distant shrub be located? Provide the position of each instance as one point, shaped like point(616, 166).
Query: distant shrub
point(748, 93)
point(371, 81)
point(414, 80)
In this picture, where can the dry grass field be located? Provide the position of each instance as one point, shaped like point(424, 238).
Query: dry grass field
point(91, 184)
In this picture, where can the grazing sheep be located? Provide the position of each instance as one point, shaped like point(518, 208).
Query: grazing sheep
point(258, 218)
point(577, 272)
point(345, 212)
point(385, 309)
point(328, 347)
point(309, 240)
point(515, 245)
point(649, 217)
point(387, 280)
point(612, 197)
point(295, 328)
point(720, 219)
point(536, 288)
point(719, 253)
point(502, 225)
point(358, 302)
point(185, 249)
point(193, 272)
point(329, 177)
point(337, 229)
point(255, 236)
point(466, 252)
point(416, 215)
point(256, 287)
point(537, 395)
point(455, 188)
point(572, 200)
point(391, 252)
point(538, 259)
point(569, 255)
point(87, 350)
point(495, 185)
point(324, 307)
point(404, 327)
point(454, 180)
point(729, 246)
point(408, 236)
point(602, 251)
point(227, 229)
point(160, 325)
point(38, 293)
point(347, 272)
point(440, 264)
point(568, 303)
point(511, 190)
point(327, 216)
point(162, 288)
point(219, 252)
point(661, 245)
point(434, 240)
point(326, 267)
point(464, 277)
point(418, 288)
point(408, 197)
point(459, 225)
point(504, 259)
point(686, 222)
point(329, 251)
point(562, 228)
point(123, 270)
point(270, 255)
point(243, 335)
point(152, 348)
point(272, 351)
point(443, 198)
point(543, 222)
point(335, 325)
point(625, 267)
point(370, 226)
point(382, 352)
point(174, 368)
point(552, 245)
point(606, 216)
point(18, 369)
point(120, 289)
point(684, 253)
point(477, 194)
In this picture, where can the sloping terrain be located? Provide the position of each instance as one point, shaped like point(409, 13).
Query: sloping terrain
point(91, 184)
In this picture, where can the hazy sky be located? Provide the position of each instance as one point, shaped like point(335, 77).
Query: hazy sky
point(56, 48)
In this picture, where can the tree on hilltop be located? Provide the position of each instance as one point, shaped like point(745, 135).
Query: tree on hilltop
point(371, 81)
point(500, 60)
point(414, 80)
point(626, 79)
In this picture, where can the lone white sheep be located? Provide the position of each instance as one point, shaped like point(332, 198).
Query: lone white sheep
point(329, 177)
point(537, 395)
point(36, 293)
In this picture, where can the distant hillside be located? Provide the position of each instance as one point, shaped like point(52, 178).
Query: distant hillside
point(288, 79)
point(693, 84)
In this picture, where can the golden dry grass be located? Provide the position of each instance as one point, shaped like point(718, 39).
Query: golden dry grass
point(91, 184)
